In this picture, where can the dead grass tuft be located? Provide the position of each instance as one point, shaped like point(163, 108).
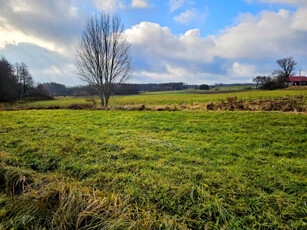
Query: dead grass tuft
point(39, 201)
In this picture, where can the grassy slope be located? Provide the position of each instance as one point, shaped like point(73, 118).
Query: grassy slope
point(166, 98)
point(214, 169)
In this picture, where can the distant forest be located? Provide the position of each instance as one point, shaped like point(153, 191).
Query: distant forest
point(16, 82)
point(56, 89)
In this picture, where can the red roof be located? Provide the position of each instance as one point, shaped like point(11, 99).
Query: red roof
point(297, 78)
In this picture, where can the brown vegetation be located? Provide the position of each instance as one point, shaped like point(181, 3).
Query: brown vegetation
point(285, 104)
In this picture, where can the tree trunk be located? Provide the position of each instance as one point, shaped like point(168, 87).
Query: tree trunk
point(106, 101)
point(24, 87)
point(101, 100)
point(93, 99)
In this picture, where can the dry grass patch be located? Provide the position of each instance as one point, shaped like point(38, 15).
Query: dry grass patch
point(38, 201)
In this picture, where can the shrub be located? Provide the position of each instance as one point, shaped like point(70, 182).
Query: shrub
point(204, 87)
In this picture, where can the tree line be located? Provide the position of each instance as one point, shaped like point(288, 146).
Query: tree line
point(16, 82)
point(56, 89)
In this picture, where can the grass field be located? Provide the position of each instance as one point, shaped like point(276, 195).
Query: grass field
point(83, 169)
point(168, 98)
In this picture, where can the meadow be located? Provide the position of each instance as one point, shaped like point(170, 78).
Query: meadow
point(168, 98)
point(92, 169)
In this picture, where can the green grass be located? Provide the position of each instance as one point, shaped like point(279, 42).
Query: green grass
point(168, 98)
point(188, 98)
point(214, 170)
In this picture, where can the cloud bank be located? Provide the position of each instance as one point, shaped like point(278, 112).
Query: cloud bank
point(45, 33)
point(240, 49)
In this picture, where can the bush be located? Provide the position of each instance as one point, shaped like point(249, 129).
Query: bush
point(273, 84)
point(269, 85)
point(204, 87)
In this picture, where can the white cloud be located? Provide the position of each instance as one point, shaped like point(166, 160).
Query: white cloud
point(300, 20)
point(237, 51)
point(175, 4)
point(269, 35)
point(139, 4)
point(57, 73)
point(170, 57)
point(108, 5)
point(152, 39)
point(242, 50)
point(43, 34)
point(112, 5)
point(9, 35)
point(241, 70)
point(288, 2)
point(188, 16)
point(171, 72)
point(53, 25)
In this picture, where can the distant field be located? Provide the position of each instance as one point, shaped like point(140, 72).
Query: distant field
point(216, 89)
point(173, 97)
point(188, 98)
point(227, 87)
point(150, 170)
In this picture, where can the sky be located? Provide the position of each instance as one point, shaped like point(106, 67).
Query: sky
point(190, 41)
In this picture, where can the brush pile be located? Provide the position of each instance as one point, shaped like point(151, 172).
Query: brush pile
point(285, 104)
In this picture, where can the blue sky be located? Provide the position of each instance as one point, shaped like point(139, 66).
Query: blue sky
point(193, 41)
point(214, 15)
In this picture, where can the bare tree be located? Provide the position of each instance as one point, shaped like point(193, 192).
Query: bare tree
point(25, 78)
point(102, 58)
point(287, 66)
point(18, 79)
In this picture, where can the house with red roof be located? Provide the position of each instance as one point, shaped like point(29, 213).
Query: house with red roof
point(297, 80)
